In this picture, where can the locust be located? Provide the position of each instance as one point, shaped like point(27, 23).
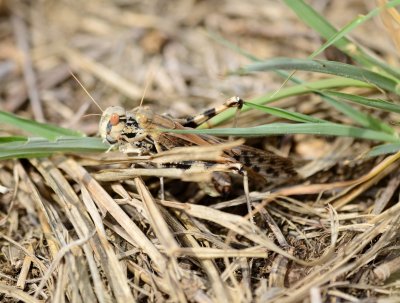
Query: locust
point(144, 130)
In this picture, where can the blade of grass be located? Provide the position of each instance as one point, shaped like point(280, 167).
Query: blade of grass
point(352, 25)
point(374, 103)
point(359, 117)
point(289, 92)
point(285, 114)
point(325, 67)
point(365, 120)
point(384, 149)
point(48, 131)
point(339, 69)
point(313, 19)
point(323, 129)
point(9, 139)
point(40, 147)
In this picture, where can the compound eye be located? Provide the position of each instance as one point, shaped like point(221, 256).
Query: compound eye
point(114, 119)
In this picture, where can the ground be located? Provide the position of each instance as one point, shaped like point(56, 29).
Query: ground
point(74, 227)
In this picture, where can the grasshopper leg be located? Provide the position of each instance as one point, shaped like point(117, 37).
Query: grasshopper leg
point(212, 112)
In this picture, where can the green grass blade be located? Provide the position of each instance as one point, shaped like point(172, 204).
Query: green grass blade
point(374, 103)
point(9, 139)
point(325, 67)
point(339, 69)
point(352, 25)
point(313, 19)
point(289, 92)
point(323, 129)
point(48, 131)
point(285, 114)
point(339, 35)
point(41, 147)
point(359, 117)
point(384, 149)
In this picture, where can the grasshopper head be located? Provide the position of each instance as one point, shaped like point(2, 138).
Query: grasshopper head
point(112, 124)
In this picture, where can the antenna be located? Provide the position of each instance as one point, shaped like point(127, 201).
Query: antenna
point(149, 80)
point(81, 85)
point(90, 115)
point(153, 67)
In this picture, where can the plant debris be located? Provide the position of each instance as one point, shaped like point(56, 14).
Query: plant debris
point(92, 228)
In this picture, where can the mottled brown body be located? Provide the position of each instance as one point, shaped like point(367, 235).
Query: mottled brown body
point(140, 129)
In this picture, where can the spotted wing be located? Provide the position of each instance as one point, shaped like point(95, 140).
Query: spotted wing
point(272, 167)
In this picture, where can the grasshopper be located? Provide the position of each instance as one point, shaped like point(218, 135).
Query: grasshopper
point(140, 129)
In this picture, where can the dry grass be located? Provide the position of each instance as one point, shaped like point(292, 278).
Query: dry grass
point(89, 228)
